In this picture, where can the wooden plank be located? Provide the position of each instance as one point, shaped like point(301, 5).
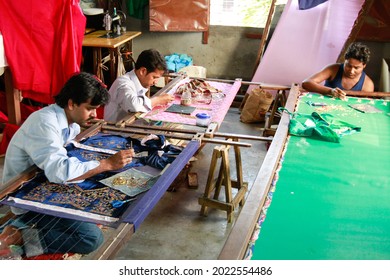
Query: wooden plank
point(114, 242)
point(265, 34)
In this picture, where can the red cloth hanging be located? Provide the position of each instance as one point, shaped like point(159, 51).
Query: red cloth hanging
point(3, 118)
point(8, 132)
point(42, 43)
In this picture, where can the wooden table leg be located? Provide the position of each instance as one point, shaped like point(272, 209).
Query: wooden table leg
point(113, 62)
point(97, 60)
point(13, 99)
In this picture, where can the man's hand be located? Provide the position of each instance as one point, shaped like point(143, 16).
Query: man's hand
point(120, 159)
point(114, 162)
point(338, 93)
point(162, 99)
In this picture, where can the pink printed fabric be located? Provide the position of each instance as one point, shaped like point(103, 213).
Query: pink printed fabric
point(217, 109)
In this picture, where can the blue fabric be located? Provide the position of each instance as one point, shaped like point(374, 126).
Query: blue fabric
point(308, 4)
point(118, 142)
point(177, 61)
point(155, 160)
point(337, 81)
point(89, 196)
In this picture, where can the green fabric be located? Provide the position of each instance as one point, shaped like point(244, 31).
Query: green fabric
point(135, 8)
point(321, 126)
point(332, 200)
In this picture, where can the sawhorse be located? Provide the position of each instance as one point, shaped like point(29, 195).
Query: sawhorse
point(279, 100)
point(215, 184)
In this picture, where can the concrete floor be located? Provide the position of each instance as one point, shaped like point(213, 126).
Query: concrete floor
point(175, 230)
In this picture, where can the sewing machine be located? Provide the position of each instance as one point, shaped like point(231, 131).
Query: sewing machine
point(114, 24)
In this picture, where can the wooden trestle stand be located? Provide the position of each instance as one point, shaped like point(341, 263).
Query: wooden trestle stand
point(224, 179)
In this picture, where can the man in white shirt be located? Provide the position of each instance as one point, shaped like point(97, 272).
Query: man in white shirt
point(128, 92)
point(40, 141)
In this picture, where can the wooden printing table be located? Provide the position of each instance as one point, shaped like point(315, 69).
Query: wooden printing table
point(94, 41)
point(314, 199)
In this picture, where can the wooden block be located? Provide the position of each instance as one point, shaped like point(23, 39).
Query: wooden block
point(192, 180)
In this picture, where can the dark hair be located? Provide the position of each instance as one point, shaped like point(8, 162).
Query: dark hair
point(151, 59)
point(83, 87)
point(358, 51)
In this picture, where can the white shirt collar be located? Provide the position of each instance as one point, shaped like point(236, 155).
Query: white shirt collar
point(138, 86)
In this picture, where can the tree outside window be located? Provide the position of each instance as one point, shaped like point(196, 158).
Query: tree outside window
point(245, 13)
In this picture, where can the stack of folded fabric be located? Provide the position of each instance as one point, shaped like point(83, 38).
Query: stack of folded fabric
point(177, 61)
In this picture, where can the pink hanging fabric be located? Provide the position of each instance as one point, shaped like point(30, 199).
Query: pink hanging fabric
point(305, 41)
point(42, 43)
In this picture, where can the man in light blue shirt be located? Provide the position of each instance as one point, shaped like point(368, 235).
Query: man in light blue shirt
point(40, 141)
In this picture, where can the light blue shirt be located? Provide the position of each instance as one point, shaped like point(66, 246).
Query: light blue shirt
point(126, 95)
point(40, 141)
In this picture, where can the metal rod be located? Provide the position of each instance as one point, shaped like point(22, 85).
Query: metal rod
point(262, 85)
point(163, 128)
point(176, 136)
point(216, 134)
point(242, 136)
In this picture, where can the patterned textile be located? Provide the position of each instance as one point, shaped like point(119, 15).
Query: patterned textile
point(131, 182)
point(91, 195)
point(158, 153)
point(93, 200)
point(217, 109)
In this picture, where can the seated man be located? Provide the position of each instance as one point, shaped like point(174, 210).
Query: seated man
point(341, 78)
point(127, 93)
point(40, 141)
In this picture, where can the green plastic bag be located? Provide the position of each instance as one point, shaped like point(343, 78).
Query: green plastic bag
point(320, 126)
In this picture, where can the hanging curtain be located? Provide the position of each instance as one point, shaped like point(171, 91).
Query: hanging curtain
point(304, 41)
point(42, 43)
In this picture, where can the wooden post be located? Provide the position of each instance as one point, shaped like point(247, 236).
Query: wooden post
point(264, 37)
point(260, 52)
point(356, 28)
point(12, 98)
